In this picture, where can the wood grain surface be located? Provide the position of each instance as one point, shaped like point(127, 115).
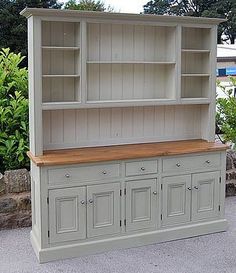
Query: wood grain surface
point(121, 152)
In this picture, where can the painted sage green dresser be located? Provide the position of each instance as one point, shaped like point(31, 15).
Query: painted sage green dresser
point(122, 145)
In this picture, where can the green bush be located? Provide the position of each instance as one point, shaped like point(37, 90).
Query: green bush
point(226, 112)
point(14, 125)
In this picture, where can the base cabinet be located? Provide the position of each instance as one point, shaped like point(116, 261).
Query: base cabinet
point(190, 197)
point(129, 203)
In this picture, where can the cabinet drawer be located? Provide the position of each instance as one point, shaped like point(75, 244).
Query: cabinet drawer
point(188, 163)
point(83, 173)
point(140, 167)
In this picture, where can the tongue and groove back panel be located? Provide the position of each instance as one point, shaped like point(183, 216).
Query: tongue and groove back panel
point(85, 127)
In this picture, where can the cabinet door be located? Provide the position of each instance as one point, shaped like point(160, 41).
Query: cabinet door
point(103, 209)
point(205, 195)
point(67, 214)
point(176, 199)
point(141, 204)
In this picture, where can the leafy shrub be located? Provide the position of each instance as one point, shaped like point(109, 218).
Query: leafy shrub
point(14, 140)
point(226, 112)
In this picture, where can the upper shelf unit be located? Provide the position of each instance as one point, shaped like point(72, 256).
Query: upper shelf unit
point(104, 64)
point(60, 61)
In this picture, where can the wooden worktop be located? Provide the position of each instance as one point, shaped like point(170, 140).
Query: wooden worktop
point(121, 152)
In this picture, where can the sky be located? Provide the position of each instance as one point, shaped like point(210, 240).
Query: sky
point(127, 6)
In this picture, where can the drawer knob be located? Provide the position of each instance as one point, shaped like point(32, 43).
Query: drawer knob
point(178, 165)
point(189, 188)
point(142, 169)
point(90, 201)
point(104, 172)
point(67, 175)
point(208, 161)
point(82, 202)
point(195, 187)
point(155, 193)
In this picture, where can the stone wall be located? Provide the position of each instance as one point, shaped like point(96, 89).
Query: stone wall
point(15, 202)
point(231, 173)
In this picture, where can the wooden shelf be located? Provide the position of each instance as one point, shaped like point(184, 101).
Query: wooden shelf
point(60, 47)
point(195, 75)
point(61, 105)
point(60, 76)
point(129, 62)
point(195, 101)
point(122, 152)
point(195, 51)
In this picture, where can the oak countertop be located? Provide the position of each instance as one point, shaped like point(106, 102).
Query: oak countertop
point(123, 152)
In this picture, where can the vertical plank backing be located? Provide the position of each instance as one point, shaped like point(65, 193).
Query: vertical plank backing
point(69, 130)
point(94, 127)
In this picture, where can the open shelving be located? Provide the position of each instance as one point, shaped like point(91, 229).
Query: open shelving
point(130, 62)
point(195, 64)
point(60, 62)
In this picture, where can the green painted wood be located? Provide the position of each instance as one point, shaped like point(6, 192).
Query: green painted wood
point(141, 204)
point(205, 195)
point(67, 210)
point(103, 209)
point(176, 198)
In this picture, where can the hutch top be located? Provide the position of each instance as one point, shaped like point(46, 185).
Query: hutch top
point(100, 79)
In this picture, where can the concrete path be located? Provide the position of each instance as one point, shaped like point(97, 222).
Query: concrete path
point(214, 253)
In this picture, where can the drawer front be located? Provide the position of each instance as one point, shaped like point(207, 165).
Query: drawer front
point(188, 163)
point(140, 167)
point(82, 174)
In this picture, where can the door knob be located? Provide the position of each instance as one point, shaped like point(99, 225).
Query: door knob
point(90, 201)
point(189, 188)
point(178, 165)
point(104, 172)
point(208, 161)
point(67, 175)
point(155, 193)
point(195, 187)
point(142, 169)
point(82, 202)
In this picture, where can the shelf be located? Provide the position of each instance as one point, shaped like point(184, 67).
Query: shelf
point(195, 51)
point(195, 75)
point(60, 105)
point(129, 62)
point(60, 76)
point(60, 47)
point(195, 101)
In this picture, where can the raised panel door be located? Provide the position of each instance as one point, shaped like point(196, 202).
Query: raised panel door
point(205, 195)
point(67, 214)
point(141, 204)
point(176, 199)
point(103, 209)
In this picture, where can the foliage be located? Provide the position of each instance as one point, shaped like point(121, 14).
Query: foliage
point(13, 26)
point(226, 112)
point(91, 5)
point(200, 8)
point(13, 112)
